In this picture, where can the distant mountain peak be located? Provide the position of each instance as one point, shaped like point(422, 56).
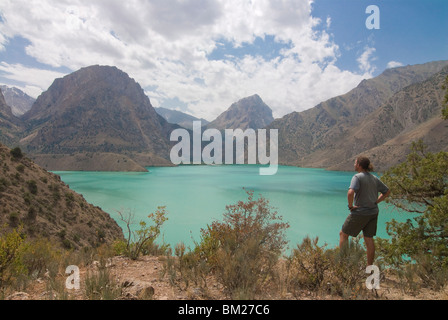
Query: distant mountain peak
point(180, 118)
point(95, 109)
point(250, 112)
point(18, 100)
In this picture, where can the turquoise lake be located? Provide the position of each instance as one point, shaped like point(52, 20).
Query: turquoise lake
point(312, 201)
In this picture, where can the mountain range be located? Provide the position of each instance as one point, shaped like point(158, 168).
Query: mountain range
point(386, 135)
point(250, 112)
point(180, 118)
point(331, 134)
point(98, 118)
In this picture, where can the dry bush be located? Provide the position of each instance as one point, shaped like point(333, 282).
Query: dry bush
point(308, 266)
point(243, 250)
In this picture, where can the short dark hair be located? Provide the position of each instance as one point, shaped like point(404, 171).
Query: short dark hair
point(364, 163)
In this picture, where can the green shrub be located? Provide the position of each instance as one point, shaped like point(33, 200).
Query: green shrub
point(4, 184)
point(14, 219)
point(100, 285)
point(419, 186)
point(32, 214)
point(348, 270)
point(12, 246)
point(187, 268)
point(32, 186)
point(40, 256)
point(16, 153)
point(308, 266)
point(140, 240)
point(69, 199)
point(243, 250)
point(67, 244)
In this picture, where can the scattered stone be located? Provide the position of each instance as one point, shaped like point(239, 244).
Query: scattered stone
point(18, 296)
point(146, 293)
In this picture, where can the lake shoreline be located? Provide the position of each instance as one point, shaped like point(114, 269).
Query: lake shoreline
point(311, 200)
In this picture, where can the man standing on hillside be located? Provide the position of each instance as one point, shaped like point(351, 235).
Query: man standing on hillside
point(364, 190)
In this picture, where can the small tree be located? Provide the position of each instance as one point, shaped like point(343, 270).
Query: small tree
point(12, 246)
point(146, 235)
point(16, 153)
point(244, 248)
point(420, 186)
point(308, 264)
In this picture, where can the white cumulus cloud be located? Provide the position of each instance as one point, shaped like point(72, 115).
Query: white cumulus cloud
point(394, 64)
point(165, 45)
point(37, 80)
point(366, 59)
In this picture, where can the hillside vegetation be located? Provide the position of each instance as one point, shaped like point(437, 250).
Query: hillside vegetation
point(45, 206)
point(45, 226)
point(241, 257)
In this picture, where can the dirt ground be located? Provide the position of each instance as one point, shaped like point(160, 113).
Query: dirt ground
point(144, 279)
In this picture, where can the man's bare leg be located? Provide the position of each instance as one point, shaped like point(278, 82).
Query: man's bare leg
point(343, 237)
point(370, 245)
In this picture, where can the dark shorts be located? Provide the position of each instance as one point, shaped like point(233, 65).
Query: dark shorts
point(355, 223)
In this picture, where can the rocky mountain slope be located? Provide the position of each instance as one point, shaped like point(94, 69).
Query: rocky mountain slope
point(250, 112)
point(18, 100)
point(309, 138)
point(180, 118)
point(46, 207)
point(98, 118)
point(98, 110)
point(10, 125)
point(387, 134)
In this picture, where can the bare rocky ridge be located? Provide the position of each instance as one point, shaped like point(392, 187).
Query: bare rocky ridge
point(100, 119)
point(10, 125)
point(92, 161)
point(97, 109)
point(180, 118)
point(250, 112)
point(318, 137)
point(387, 134)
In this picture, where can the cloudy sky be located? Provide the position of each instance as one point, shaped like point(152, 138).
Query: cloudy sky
point(200, 56)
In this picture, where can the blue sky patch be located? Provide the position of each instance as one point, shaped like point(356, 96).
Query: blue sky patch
point(267, 48)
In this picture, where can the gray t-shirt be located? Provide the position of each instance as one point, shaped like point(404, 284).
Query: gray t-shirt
point(366, 187)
